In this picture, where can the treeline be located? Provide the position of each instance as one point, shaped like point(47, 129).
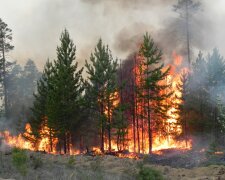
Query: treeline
point(17, 84)
point(202, 107)
point(118, 97)
point(63, 99)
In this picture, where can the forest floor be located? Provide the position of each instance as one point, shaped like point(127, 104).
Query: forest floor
point(173, 165)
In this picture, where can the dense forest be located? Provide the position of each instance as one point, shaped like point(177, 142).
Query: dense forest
point(134, 104)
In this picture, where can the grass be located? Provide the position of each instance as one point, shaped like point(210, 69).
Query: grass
point(19, 160)
point(147, 173)
point(71, 162)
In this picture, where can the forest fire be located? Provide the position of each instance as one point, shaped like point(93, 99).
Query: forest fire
point(171, 124)
point(26, 140)
point(137, 136)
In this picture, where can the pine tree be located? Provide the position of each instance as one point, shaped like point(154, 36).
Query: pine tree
point(120, 123)
point(65, 91)
point(215, 81)
point(39, 116)
point(181, 106)
point(186, 8)
point(153, 74)
point(5, 47)
point(198, 100)
point(102, 87)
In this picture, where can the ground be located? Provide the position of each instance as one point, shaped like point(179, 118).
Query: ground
point(63, 167)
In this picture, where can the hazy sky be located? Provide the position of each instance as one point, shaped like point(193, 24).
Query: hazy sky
point(37, 25)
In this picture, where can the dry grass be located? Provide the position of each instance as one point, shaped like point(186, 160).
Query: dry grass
point(63, 167)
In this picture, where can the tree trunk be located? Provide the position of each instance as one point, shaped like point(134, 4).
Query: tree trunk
point(149, 121)
point(188, 35)
point(50, 139)
point(102, 127)
point(137, 121)
point(4, 79)
point(65, 144)
point(216, 135)
point(109, 124)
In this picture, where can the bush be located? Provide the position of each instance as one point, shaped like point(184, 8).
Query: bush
point(19, 159)
point(147, 173)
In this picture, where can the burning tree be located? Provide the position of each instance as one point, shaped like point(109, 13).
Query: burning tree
point(59, 96)
point(151, 89)
point(101, 90)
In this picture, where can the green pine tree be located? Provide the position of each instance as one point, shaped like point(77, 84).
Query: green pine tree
point(102, 86)
point(39, 117)
point(153, 74)
point(65, 92)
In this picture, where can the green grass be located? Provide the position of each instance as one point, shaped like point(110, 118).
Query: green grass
point(147, 173)
point(19, 160)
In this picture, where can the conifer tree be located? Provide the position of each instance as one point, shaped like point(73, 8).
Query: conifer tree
point(186, 8)
point(65, 91)
point(102, 87)
point(182, 88)
point(39, 115)
point(5, 47)
point(153, 74)
point(215, 81)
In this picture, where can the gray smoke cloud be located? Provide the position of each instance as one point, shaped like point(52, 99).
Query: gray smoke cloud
point(37, 25)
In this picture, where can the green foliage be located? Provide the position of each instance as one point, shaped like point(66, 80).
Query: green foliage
point(58, 99)
point(147, 173)
point(19, 159)
point(150, 90)
point(71, 162)
point(65, 91)
point(204, 102)
point(101, 86)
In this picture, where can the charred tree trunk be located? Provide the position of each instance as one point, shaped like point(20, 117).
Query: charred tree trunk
point(137, 122)
point(64, 144)
point(134, 130)
point(109, 124)
point(134, 105)
point(142, 127)
point(50, 139)
point(102, 127)
point(149, 129)
point(149, 121)
point(185, 130)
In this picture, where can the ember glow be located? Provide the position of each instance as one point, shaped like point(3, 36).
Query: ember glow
point(165, 140)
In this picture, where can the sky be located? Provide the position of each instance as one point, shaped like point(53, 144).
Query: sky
point(37, 25)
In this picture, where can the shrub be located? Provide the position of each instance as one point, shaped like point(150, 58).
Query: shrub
point(147, 173)
point(19, 159)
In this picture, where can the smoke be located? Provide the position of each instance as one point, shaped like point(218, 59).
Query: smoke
point(120, 23)
point(133, 4)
